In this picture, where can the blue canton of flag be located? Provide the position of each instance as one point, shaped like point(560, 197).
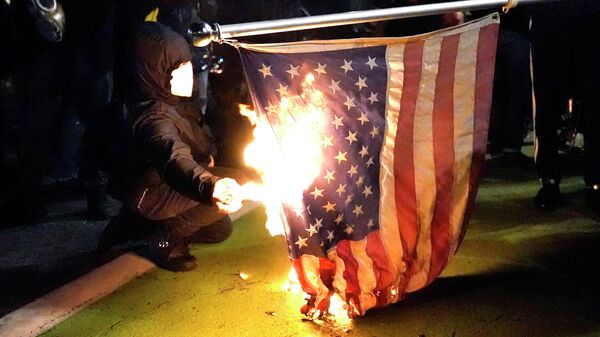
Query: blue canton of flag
point(342, 202)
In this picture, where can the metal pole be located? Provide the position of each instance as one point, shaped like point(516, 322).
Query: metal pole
point(207, 33)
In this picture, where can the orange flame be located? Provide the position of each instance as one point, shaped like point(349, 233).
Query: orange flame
point(287, 154)
point(286, 151)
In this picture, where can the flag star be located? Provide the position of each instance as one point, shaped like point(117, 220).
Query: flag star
point(362, 83)
point(317, 192)
point(349, 103)
point(319, 224)
point(329, 207)
point(271, 108)
point(265, 71)
point(358, 210)
point(293, 71)
point(330, 235)
point(329, 176)
point(311, 230)
point(370, 162)
point(283, 90)
point(341, 189)
point(349, 199)
point(363, 118)
point(353, 170)
point(308, 210)
point(360, 181)
point(351, 137)
point(327, 141)
point(341, 157)
point(301, 242)
point(373, 98)
point(371, 63)
point(349, 229)
point(374, 132)
point(335, 86)
point(337, 121)
point(370, 223)
point(364, 151)
point(347, 66)
point(339, 219)
point(321, 69)
point(367, 191)
point(298, 212)
point(322, 244)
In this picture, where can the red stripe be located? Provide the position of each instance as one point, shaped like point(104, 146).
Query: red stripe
point(306, 285)
point(381, 267)
point(350, 273)
point(443, 155)
point(327, 271)
point(404, 172)
point(486, 58)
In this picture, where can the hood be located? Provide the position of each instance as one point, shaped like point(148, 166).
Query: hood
point(158, 50)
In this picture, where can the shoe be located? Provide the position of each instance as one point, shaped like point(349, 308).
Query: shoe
point(548, 197)
point(125, 227)
point(172, 254)
point(592, 197)
point(99, 205)
point(213, 233)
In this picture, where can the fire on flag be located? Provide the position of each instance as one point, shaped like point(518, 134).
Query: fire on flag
point(370, 150)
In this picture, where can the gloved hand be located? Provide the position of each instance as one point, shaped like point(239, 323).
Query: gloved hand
point(227, 195)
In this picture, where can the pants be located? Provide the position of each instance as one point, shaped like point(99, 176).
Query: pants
point(182, 216)
point(566, 63)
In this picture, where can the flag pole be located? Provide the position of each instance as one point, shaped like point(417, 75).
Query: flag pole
point(204, 34)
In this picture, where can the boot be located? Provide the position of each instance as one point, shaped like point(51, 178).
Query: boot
point(125, 227)
point(172, 253)
point(548, 197)
point(99, 205)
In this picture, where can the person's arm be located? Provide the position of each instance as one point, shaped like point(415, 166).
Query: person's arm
point(158, 136)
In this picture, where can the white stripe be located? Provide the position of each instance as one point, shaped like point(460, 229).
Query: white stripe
point(339, 282)
point(464, 107)
point(388, 222)
point(366, 275)
point(425, 181)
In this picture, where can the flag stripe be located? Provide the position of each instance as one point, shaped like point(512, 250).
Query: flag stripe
point(382, 268)
point(365, 274)
point(352, 290)
point(486, 56)
point(404, 172)
point(443, 152)
point(388, 219)
point(424, 163)
point(339, 282)
point(464, 97)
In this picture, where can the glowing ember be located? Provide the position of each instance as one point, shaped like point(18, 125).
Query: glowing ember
point(244, 276)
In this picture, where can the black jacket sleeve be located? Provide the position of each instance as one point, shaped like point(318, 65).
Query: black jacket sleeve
point(159, 138)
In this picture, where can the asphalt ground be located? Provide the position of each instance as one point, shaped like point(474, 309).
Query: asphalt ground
point(519, 272)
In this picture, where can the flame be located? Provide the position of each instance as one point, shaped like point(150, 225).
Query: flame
point(287, 154)
point(286, 151)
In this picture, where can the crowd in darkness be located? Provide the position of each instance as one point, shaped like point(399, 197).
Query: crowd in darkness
point(63, 97)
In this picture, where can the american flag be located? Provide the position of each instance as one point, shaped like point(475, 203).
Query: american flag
point(405, 140)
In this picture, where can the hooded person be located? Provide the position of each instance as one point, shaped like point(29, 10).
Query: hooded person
point(169, 177)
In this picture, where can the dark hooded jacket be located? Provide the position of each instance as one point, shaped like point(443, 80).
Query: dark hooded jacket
point(169, 146)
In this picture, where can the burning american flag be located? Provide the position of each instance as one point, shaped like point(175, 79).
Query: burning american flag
point(372, 149)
